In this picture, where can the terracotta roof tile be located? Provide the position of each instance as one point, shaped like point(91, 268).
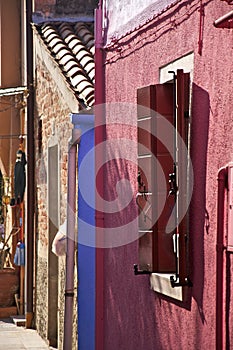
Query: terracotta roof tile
point(72, 46)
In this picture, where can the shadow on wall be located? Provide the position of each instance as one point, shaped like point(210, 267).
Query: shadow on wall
point(199, 225)
point(199, 218)
point(134, 317)
point(228, 299)
point(130, 313)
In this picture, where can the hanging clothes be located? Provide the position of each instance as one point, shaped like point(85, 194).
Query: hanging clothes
point(19, 258)
point(19, 176)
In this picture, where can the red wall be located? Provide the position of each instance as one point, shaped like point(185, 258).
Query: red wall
point(135, 317)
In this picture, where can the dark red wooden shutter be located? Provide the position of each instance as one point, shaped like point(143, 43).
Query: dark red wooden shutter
point(156, 251)
point(183, 93)
point(146, 175)
point(164, 257)
point(156, 248)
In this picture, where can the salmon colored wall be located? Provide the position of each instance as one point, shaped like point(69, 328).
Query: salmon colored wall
point(10, 43)
point(135, 317)
point(10, 76)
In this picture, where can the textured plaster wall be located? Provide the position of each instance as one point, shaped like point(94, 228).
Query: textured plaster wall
point(126, 15)
point(51, 108)
point(135, 317)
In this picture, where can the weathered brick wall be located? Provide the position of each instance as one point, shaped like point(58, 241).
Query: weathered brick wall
point(51, 121)
point(47, 7)
point(66, 7)
point(76, 6)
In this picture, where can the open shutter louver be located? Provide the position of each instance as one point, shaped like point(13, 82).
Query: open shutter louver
point(156, 253)
point(156, 248)
point(146, 174)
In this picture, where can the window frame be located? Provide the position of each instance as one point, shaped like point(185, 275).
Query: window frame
point(161, 282)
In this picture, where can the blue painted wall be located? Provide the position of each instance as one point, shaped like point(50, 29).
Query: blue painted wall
point(86, 232)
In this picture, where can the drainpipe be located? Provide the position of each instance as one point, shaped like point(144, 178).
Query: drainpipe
point(31, 167)
point(222, 183)
point(71, 239)
point(100, 135)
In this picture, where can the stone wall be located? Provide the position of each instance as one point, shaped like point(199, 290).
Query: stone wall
point(66, 7)
point(41, 297)
point(52, 125)
point(76, 6)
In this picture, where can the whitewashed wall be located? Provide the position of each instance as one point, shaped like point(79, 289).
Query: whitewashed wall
point(122, 16)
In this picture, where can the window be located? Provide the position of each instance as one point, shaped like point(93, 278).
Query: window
point(163, 134)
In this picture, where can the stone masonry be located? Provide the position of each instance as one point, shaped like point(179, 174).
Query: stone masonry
point(52, 122)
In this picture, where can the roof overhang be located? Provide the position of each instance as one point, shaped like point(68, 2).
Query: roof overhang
point(225, 21)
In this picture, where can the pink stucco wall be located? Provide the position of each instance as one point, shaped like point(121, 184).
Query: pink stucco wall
point(135, 317)
point(122, 16)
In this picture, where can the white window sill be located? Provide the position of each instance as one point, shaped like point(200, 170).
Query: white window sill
point(160, 283)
